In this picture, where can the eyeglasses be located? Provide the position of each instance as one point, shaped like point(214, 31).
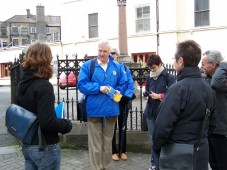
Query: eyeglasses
point(153, 67)
point(113, 53)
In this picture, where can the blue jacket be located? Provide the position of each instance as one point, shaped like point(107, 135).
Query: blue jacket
point(129, 84)
point(99, 104)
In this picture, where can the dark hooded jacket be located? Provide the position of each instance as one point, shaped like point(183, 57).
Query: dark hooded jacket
point(182, 111)
point(37, 95)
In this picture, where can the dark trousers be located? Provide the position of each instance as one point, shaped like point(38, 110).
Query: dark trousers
point(122, 126)
point(218, 152)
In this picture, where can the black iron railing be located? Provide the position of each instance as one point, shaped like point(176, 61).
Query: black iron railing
point(71, 95)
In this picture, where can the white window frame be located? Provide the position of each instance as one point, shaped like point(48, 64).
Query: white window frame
point(56, 36)
point(201, 13)
point(33, 40)
point(24, 31)
point(33, 29)
point(48, 30)
point(143, 23)
point(12, 30)
point(3, 31)
point(24, 40)
point(13, 39)
point(93, 26)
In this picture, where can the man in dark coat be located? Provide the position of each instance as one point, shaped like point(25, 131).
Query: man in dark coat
point(216, 72)
point(182, 111)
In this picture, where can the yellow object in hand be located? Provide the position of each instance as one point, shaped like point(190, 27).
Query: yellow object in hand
point(117, 97)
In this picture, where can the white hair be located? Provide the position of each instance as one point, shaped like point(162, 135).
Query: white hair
point(104, 42)
point(214, 56)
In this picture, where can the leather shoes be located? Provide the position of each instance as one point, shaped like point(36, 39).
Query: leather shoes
point(124, 157)
point(115, 157)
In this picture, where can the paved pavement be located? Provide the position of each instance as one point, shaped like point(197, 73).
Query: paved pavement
point(11, 158)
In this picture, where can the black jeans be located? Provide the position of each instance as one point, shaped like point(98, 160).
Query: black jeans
point(122, 126)
point(218, 152)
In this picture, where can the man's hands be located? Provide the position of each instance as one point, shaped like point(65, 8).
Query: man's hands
point(104, 89)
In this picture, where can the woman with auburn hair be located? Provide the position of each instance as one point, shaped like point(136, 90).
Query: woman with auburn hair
point(36, 94)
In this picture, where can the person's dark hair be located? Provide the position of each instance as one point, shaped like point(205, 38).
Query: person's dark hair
point(154, 60)
point(190, 51)
point(38, 58)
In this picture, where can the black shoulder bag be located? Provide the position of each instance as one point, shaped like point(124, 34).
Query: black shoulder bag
point(23, 125)
point(178, 156)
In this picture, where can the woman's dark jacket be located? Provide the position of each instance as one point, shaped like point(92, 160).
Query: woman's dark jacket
point(37, 96)
point(182, 111)
point(159, 85)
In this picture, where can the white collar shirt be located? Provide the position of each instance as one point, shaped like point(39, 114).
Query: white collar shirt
point(104, 66)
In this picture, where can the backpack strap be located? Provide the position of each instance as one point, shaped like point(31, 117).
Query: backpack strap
point(92, 68)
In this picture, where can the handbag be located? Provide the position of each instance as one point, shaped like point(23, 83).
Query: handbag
point(179, 156)
point(81, 109)
point(23, 125)
point(176, 156)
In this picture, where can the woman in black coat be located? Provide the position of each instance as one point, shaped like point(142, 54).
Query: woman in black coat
point(182, 111)
point(36, 94)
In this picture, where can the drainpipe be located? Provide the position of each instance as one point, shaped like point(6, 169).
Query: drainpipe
point(157, 24)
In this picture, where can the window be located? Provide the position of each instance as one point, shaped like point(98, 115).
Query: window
point(33, 29)
point(202, 13)
point(14, 31)
point(56, 36)
point(141, 57)
point(25, 41)
point(3, 31)
point(93, 25)
point(15, 42)
point(24, 31)
point(143, 19)
point(33, 40)
point(48, 30)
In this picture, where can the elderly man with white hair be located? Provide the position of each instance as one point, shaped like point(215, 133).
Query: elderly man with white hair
point(216, 70)
point(102, 110)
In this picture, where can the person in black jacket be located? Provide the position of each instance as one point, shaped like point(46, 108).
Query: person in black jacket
point(216, 71)
point(157, 84)
point(36, 94)
point(183, 109)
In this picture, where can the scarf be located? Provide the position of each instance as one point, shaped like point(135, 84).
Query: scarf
point(155, 75)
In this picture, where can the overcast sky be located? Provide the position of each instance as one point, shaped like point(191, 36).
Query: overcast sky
point(9, 8)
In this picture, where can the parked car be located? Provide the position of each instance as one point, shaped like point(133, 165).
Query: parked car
point(72, 80)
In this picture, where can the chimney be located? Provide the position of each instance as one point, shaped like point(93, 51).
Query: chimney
point(28, 13)
point(40, 23)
